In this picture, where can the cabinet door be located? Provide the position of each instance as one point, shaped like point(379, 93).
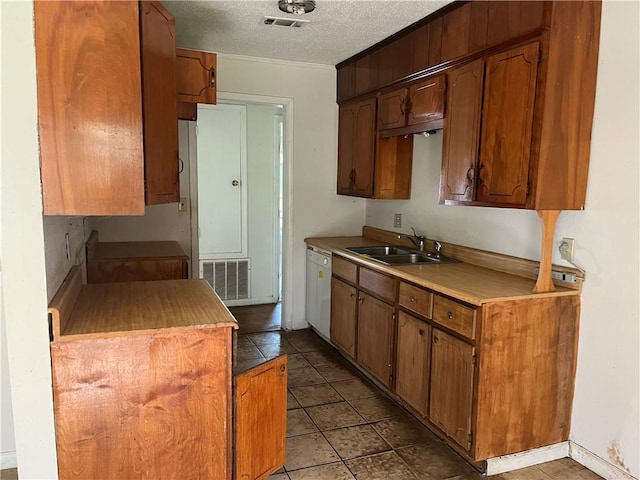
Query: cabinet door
point(196, 76)
point(412, 361)
point(509, 94)
point(461, 130)
point(343, 316)
point(452, 365)
point(392, 109)
point(356, 148)
point(375, 337)
point(426, 101)
point(158, 52)
point(89, 107)
point(261, 420)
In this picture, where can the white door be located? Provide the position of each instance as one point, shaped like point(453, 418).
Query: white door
point(222, 177)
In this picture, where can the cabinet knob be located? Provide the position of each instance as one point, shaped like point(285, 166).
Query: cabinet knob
point(282, 368)
point(361, 299)
point(449, 315)
point(235, 183)
point(421, 331)
point(412, 299)
point(435, 340)
point(212, 76)
point(353, 295)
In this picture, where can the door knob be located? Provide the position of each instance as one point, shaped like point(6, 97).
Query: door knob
point(235, 183)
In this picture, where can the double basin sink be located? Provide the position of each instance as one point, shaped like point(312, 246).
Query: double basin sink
point(391, 255)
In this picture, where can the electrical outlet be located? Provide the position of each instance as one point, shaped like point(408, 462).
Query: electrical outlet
point(566, 248)
point(182, 205)
point(397, 220)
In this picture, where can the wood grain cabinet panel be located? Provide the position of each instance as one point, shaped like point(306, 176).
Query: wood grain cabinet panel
point(427, 101)
point(261, 420)
point(377, 283)
point(375, 337)
point(412, 361)
point(416, 299)
point(343, 316)
point(454, 316)
point(196, 76)
point(392, 109)
point(451, 392)
point(107, 122)
point(344, 269)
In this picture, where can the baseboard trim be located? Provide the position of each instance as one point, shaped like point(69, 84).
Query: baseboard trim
point(597, 464)
point(250, 301)
point(515, 461)
point(8, 460)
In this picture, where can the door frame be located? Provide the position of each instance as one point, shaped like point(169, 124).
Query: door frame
point(287, 192)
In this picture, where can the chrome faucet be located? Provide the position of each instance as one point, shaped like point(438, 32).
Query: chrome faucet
point(417, 240)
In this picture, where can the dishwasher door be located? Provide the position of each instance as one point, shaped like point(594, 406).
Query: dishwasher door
point(318, 296)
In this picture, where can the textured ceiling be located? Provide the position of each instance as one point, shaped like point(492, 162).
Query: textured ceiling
point(337, 30)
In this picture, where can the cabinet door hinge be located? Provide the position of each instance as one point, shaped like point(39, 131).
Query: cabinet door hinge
point(528, 188)
point(470, 438)
point(474, 359)
point(393, 317)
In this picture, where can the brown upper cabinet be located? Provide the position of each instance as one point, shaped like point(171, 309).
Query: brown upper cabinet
point(414, 109)
point(108, 145)
point(520, 93)
point(195, 81)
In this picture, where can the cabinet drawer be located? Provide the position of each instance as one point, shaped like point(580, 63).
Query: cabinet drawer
point(344, 269)
point(377, 283)
point(416, 299)
point(454, 316)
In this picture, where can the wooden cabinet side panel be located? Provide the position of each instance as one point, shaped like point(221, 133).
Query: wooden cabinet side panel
point(135, 270)
point(375, 337)
point(346, 82)
point(507, 122)
point(89, 107)
point(451, 394)
point(412, 361)
point(461, 132)
point(526, 371)
point(261, 420)
point(157, 33)
point(394, 157)
point(343, 316)
point(567, 106)
point(157, 404)
point(196, 76)
point(364, 147)
point(346, 134)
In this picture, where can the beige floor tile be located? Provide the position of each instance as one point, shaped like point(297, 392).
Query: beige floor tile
point(248, 351)
point(335, 373)
point(567, 469)
point(356, 388)
point(244, 364)
point(403, 431)
point(9, 474)
point(529, 473)
point(381, 466)
point(279, 476)
point(243, 340)
point(358, 441)
point(334, 415)
point(376, 408)
point(333, 471)
point(316, 395)
point(265, 338)
point(272, 350)
point(296, 360)
point(301, 377)
point(323, 358)
point(437, 461)
point(291, 401)
point(308, 451)
point(299, 423)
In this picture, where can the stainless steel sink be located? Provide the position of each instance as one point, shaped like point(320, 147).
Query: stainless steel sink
point(381, 250)
point(391, 255)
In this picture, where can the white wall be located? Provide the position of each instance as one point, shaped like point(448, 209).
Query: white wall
point(316, 209)
point(8, 457)
point(160, 222)
point(262, 206)
point(605, 414)
point(22, 249)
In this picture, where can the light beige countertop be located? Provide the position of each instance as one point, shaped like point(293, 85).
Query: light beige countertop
point(463, 281)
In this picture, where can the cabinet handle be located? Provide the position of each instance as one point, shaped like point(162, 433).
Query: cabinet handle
point(470, 175)
point(403, 105)
point(435, 339)
point(412, 299)
point(361, 300)
point(449, 315)
point(212, 77)
point(480, 182)
point(421, 331)
point(353, 295)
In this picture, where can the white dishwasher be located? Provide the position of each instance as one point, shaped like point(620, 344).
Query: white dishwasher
point(318, 297)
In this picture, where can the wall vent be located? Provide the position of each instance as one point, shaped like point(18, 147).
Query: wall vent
point(229, 278)
point(284, 22)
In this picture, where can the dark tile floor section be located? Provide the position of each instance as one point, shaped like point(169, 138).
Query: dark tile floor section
point(342, 427)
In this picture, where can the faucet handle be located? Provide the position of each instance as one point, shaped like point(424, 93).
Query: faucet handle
point(438, 247)
point(420, 237)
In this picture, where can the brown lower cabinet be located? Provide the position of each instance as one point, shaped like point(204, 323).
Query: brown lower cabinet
point(151, 394)
point(343, 316)
point(491, 379)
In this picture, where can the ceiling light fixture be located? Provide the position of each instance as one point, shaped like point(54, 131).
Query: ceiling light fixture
point(299, 7)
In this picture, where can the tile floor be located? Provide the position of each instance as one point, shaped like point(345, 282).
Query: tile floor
point(341, 426)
